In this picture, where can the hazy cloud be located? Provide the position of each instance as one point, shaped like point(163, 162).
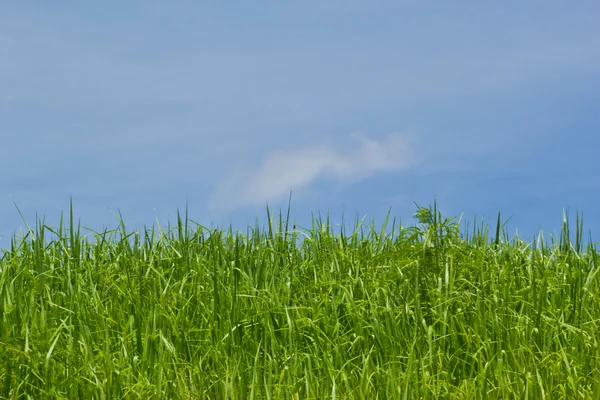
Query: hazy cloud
point(292, 169)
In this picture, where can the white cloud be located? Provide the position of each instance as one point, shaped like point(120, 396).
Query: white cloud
point(293, 169)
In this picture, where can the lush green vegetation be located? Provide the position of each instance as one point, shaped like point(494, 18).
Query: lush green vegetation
point(281, 312)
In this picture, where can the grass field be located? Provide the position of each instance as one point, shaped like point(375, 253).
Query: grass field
point(279, 312)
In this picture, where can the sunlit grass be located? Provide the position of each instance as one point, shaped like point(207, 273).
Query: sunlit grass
point(281, 312)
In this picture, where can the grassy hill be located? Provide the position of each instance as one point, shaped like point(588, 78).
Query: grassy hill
point(281, 312)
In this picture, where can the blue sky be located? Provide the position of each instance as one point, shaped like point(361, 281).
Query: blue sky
point(355, 106)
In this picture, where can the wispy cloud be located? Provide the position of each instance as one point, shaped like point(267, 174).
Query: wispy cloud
point(283, 170)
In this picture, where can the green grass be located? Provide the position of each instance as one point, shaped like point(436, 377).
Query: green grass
point(281, 312)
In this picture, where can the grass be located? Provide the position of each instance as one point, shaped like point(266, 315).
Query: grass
point(287, 313)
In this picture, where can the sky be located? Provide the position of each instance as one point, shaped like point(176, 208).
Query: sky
point(356, 108)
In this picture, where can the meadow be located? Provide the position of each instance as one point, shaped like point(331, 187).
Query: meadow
point(430, 311)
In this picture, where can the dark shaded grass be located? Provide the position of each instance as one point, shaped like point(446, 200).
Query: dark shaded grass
point(289, 313)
